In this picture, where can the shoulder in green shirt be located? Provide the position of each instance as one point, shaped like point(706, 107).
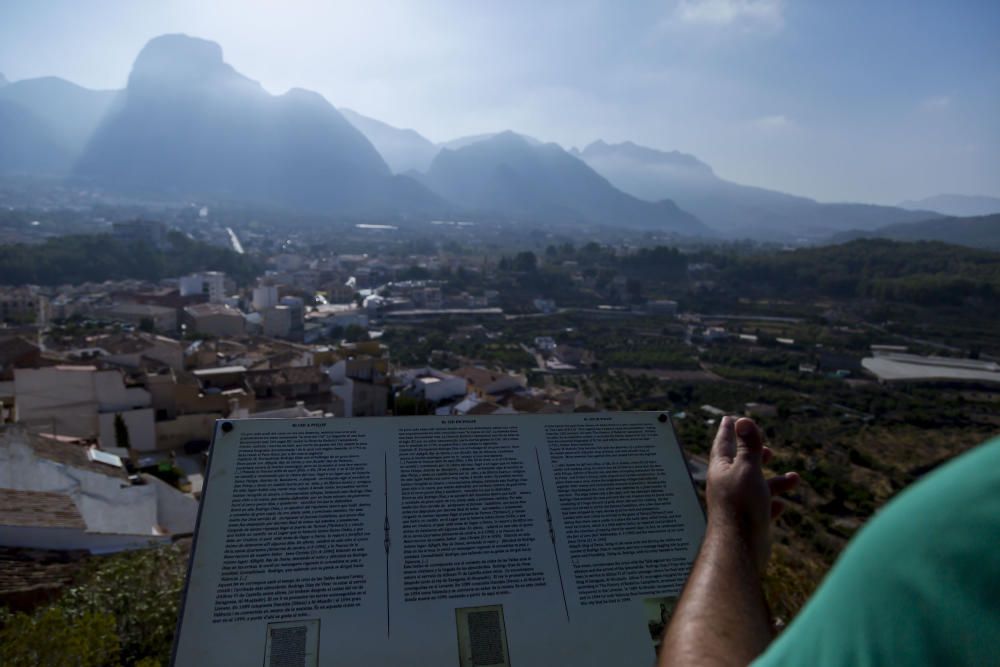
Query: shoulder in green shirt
point(920, 583)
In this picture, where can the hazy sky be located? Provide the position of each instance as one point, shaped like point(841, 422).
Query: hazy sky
point(865, 100)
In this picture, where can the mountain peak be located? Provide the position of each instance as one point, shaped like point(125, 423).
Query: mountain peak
point(643, 154)
point(306, 97)
point(462, 142)
point(506, 143)
point(3, 80)
point(509, 138)
point(181, 48)
point(180, 59)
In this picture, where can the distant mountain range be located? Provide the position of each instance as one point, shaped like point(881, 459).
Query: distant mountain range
point(403, 150)
point(976, 232)
point(958, 205)
point(733, 209)
point(652, 175)
point(189, 125)
point(521, 179)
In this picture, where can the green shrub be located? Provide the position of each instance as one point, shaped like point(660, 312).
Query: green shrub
point(57, 637)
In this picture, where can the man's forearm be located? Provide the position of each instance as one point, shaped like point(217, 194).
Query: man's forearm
point(722, 618)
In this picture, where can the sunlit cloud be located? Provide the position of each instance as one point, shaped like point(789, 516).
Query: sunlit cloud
point(767, 14)
point(772, 122)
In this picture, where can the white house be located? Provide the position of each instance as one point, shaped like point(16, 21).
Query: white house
point(116, 513)
point(488, 381)
point(210, 283)
point(265, 296)
point(68, 400)
point(277, 321)
point(433, 385)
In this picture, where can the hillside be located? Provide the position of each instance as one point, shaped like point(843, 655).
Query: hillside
point(100, 257)
point(927, 273)
point(956, 205)
point(510, 176)
point(975, 232)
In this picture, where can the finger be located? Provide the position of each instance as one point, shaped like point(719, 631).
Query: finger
point(782, 484)
point(749, 443)
point(766, 455)
point(777, 507)
point(724, 446)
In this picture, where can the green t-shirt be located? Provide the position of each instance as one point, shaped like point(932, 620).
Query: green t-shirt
point(919, 585)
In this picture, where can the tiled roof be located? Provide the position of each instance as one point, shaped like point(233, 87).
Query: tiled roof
point(28, 576)
point(39, 509)
point(527, 403)
point(140, 309)
point(288, 375)
point(205, 309)
point(478, 376)
point(71, 455)
point(129, 343)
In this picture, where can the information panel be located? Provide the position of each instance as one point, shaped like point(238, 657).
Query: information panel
point(514, 540)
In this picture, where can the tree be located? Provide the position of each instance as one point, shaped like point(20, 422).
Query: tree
point(99, 257)
point(526, 262)
point(141, 592)
point(604, 277)
point(121, 432)
point(415, 272)
point(354, 333)
point(410, 405)
point(147, 324)
point(634, 289)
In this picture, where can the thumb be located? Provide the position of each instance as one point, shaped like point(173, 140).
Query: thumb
point(749, 443)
